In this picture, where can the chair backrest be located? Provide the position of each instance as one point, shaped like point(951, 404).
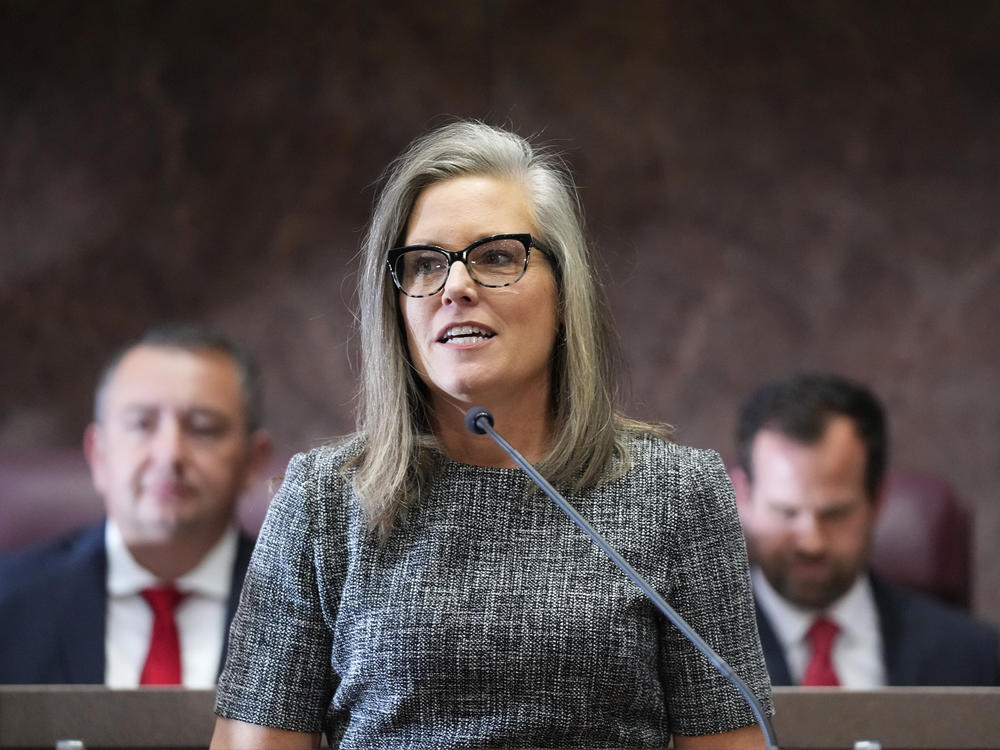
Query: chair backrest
point(922, 537)
point(46, 493)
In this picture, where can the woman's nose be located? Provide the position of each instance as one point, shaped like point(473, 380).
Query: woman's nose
point(459, 286)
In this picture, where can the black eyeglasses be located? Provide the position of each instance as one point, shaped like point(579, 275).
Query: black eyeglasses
point(500, 260)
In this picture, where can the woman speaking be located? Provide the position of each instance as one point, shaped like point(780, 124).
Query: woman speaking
point(411, 588)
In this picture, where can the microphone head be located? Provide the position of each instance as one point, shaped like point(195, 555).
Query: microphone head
point(472, 417)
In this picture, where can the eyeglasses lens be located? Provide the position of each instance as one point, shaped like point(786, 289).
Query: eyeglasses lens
point(421, 271)
point(498, 263)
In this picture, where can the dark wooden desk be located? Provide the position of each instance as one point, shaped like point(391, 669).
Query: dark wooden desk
point(809, 719)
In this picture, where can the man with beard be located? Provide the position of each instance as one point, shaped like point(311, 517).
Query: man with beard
point(813, 452)
point(146, 596)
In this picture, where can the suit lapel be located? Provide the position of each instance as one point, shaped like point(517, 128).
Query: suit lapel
point(79, 610)
point(899, 663)
point(243, 553)
point(774, 654)
point(80, 617)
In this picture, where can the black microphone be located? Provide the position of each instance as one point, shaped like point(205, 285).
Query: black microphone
point(479, 420)
point(472, 417)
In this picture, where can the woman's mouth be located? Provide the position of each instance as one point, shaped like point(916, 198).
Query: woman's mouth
point(465, 334)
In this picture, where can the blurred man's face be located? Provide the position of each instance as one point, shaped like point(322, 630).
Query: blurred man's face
point(809, 520)
point(171, 452)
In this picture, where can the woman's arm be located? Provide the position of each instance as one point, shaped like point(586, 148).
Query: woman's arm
point(748, 738)
point(238, 735)
point(712, 592)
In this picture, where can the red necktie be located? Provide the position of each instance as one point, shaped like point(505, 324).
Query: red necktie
point(163, 663)
point(819, 670)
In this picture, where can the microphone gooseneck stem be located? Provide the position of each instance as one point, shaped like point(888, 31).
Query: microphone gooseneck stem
point(480, 421)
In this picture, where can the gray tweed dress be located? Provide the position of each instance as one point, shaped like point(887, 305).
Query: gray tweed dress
point(488, 619)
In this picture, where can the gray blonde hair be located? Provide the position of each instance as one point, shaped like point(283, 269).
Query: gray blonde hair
point(400, 452)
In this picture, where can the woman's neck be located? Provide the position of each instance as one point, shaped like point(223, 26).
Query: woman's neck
point(525, 423)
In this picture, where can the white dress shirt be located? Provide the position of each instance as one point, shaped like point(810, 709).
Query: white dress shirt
point(201, 616)
point(857, 651)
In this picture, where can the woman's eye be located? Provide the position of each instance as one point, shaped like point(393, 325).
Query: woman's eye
point(426, 265)
point(495, 258)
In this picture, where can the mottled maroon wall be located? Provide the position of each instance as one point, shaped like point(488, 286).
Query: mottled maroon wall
point(769, 185)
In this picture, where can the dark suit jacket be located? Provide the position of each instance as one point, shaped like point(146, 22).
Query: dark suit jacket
point(52, 609)
point(925, 642)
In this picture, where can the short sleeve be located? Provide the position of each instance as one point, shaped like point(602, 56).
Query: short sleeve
point(277, 671)
point(712, 593)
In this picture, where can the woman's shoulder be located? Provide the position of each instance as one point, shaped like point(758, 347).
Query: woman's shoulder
point(690, 470)
point(646, 447)
point(335, 454)
point(317, 482)
point(698, 475)
point(333, 459)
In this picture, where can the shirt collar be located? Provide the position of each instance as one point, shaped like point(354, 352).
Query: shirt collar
point(854, 612)
point(211, 577)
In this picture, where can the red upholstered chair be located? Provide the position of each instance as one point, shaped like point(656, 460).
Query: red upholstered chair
point(46, 493)
point(923, 537)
